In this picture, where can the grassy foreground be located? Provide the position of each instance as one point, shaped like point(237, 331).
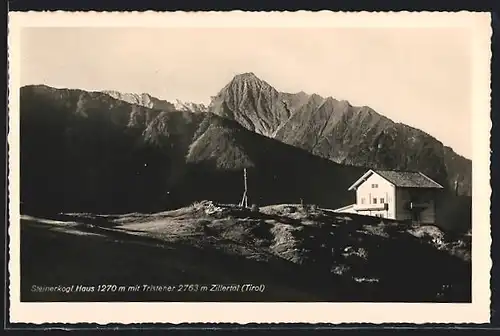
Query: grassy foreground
point(288, 252)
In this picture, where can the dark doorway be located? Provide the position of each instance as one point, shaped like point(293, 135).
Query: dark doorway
point(415, 216)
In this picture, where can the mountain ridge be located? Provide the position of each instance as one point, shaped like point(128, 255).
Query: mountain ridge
point(83, 142)
point(99, 154)
point(336, 130)
point(327, 127)
point(149, 100)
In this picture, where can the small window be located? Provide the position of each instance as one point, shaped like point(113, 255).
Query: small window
point(374, 201)
point(374, 185)
point(382, 201)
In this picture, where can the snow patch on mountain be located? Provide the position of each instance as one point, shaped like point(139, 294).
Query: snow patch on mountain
point(189, 106)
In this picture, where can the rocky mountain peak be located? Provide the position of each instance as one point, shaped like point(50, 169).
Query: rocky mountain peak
point(249, 81)
point(247, 76)
point(189, 106)
point(146, 100)
point(334, 129)
point(142, 99)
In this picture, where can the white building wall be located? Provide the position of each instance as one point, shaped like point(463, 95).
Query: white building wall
point(379, 189)
point(375, 191)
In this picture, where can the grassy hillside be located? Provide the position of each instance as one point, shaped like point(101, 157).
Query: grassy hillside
point(299, 254)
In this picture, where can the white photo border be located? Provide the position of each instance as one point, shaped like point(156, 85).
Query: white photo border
point(145, 312)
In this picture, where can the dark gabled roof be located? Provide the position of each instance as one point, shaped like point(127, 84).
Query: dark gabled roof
point(402, 179)
point(408, 179)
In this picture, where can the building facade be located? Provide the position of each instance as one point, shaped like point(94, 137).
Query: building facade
point(398, 195)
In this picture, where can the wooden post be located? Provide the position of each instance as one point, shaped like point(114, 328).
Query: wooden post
point(244, 201)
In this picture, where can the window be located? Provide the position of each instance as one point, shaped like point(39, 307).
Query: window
point(374, 201)
point(374, 185)
point(362, 200)
point(382, 201)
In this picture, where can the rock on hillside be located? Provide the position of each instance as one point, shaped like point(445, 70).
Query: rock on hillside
point(335, 130)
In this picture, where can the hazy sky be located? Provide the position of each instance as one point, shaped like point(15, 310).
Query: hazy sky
point(421, 77)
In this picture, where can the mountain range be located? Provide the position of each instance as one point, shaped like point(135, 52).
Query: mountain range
point(338, 131)
point(329, 128)
point(146, 100)
point(120, 152)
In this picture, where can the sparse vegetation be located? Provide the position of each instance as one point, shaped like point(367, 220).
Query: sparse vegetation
point(340, 269)
point(325, 257)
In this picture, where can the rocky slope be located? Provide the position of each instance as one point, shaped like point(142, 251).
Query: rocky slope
point(251, 102)
point(327, 127)
point(190, 106)
point(335, 130)
point(143, 99)
point(146, 100)
point(297, 253)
